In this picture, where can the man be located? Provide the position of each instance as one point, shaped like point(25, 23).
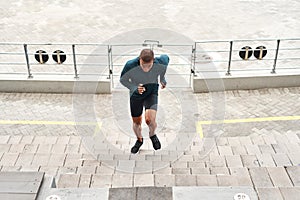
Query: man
point(140, 76)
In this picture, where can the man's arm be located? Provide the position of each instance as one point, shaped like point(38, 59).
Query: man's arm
point(164, 61)
point(125, 78)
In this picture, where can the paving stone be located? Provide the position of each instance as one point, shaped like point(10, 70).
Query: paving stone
point(4, 139)
point(266, 149)
point(279, 177)
point(73, 160)
point(153, 157)
point(294, 174)
point(250, 161)
point(68, 181)
point(269, 193)
point(165, 171)
point(40, 160)
point(196, 164)
point(252, 149)
point(11, 168)
point(269, 139)
point(200, 170)
point(72, 148)
point(239, 150)
point(51, 171)
point(185, 180)
point(294, 158)
point(160, 164)
point(153, 193)
point(24, 159)
point(125, 193)
point(290, 193)
point(224, 150)
point(292, 148)
point(84, 181)
point(186, 171)
point(30, 148)
point(219, 171)
point(142, 180)
point(257, 140)
point(105, 170)
point(222, 141)
point(245, 140)
point(233, 141)
point(266, 160)
point(100, 181)
point(9, 159)
point(27, 139)
point(25, 168)
point(86, 169)
point(179, 164)
point(44, 148)
point(227, 180)
point(39, 140)
point(233, 161)
point(63, 140)
point(75, 140)
point(122, 180)
point(280, 148)
point(14, 139)
point(51, 140)
point(216, 161)
point(242, 175)
point(260, 177)
point(57, 160)
point(4, 148)
point(66, 170)
point(281, 160)
point(207, 180)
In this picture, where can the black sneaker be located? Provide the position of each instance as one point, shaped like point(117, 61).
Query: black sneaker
point(155, 142)
point(136, 147)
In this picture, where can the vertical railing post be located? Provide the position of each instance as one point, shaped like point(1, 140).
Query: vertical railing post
point(110, 63)
point(276, 56)
point(229, 59)
point(74, 61)
point(27, 61)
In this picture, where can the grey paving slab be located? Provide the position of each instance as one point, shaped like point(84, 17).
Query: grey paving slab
point(294, 174)
point(250, 161)
point(260, 177)
point(207, 180)
point(290, 192)
point(219, 171)
point(266, 160)
point(85, 181)
point(9, 159)
point(200, 170)
point(122, 180)
point(281, 160)
point(294, 158)
point(101, 181)
point(143, 180)
point(153, 193)
point(164, 180)
point(233, 161)
point(239, 150)
point(269, 193)
point(68, 181)
point(185, 180)
point(227, 180)
point(279, 177)
point(126, 193)
point(252, 149)
point(217, 193)
point(266, 149)
point(224, 150)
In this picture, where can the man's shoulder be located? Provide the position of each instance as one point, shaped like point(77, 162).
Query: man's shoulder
point(132, 63)
point(162, 59)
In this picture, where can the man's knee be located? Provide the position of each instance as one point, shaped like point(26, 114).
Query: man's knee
point(137, 120)
point(148, 121)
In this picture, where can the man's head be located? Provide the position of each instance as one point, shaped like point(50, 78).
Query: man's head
point(146, 56)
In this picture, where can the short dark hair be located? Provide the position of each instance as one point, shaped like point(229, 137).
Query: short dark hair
point(147, 55)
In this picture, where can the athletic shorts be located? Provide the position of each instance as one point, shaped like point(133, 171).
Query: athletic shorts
point(137, 105)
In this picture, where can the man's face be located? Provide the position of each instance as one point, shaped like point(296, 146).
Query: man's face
point(146, 66)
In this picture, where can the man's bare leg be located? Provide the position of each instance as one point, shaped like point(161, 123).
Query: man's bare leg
point(137, 126)
point(150, 116)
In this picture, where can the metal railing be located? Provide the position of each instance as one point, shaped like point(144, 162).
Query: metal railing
point(278, 50)
point(222, 56)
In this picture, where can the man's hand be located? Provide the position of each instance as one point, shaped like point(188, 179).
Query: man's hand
point(141, 89)
point(162, 85)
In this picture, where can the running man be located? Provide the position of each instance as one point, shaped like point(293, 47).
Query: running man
point(140, 76)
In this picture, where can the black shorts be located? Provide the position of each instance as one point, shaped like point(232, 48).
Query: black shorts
point(137, 105)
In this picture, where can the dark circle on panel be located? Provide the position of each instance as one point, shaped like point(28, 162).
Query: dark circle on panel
point(244, 54)
point(41, 56)
point(260, 52)
point(59, 56)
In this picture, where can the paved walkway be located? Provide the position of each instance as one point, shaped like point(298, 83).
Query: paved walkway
point(58, 134)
